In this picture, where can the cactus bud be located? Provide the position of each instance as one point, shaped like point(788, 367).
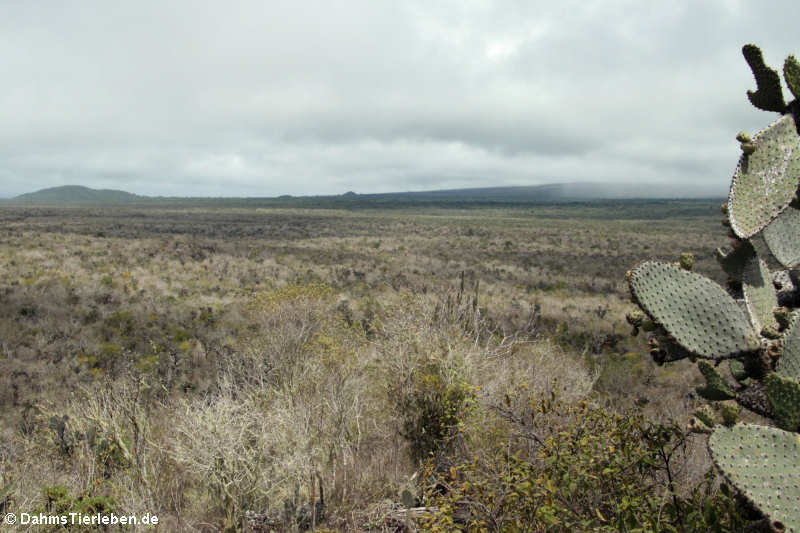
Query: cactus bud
point(770, 332)
point(687, 260)
point(743, 137)
point(782, 316)
point(724, 208)
point(774, 350)
point(748, 147)
point(635, 317)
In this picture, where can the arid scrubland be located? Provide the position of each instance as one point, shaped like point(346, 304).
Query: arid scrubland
point(218, 367)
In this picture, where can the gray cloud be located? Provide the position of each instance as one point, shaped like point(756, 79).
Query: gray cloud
point(267, 98)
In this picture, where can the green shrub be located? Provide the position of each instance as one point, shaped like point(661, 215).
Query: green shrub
point(110, 450)
point(122, 323)
point(432, 408)
point(595, 471)
point(59, 501)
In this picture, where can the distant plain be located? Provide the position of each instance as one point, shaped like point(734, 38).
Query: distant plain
point(143, 322)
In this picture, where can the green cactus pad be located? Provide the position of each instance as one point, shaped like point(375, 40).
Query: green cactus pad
point(734, 261)
point(769, 96)
point(765, 181)
point(762, 463)
point(784, 397)
point(783, 237)
point(730, 413)
point(716, 388)
point(791, 73)
point(705, 415)
point(697, 312)
point(759, 293)
point(783, 316)
point(788, 365)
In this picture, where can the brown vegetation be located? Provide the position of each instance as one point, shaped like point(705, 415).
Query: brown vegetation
point(210, 365)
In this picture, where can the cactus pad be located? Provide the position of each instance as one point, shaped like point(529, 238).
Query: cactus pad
point(791, 73)
point(730, 413)
point(765, 181)
point(769, 96)
point(759, 293)
point(784, 397)
point(762, 463)
point(789, 364)
point(705, 415)
point(783, 237)
point(716, 389)
point(697, 312)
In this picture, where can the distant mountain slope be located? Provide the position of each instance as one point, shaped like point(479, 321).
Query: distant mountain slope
point(565, 192)
point(532, 194)
point(77, 194)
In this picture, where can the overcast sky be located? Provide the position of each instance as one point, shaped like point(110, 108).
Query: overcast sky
point(263, 98)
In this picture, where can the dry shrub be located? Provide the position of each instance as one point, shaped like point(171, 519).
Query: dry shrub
point(288, 407)
point(244, 450)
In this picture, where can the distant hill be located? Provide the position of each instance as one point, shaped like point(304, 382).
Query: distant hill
point(559, 192)
point(77, 194)
point(521, 195)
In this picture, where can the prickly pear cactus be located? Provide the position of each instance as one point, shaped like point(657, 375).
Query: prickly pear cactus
point(789, 363)
point(762, 462)
point(701, 316)
point(784, 397)
point(759, 294)
point(783, 237)
point(791, 71)
point(765, 180)
point(754, 322)
point(716, 388)
point(768, 96)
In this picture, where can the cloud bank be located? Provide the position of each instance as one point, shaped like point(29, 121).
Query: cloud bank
point(254, 98)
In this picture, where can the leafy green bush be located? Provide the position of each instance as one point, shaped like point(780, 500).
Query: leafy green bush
point(59, 501)
point(432, 408)
point(576, 467)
